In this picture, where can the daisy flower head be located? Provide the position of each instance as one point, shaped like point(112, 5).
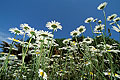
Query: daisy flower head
point(116, 19)
point(53, 25)
point(88, 20)
point(99, 22)
point(87, 40)
point(44, 34)
point(81, 29)
point(99, 27)
point(112, 23)
point(95, 20)
point(66, 41)
point(74, 33)
point(32, 33)
point(116, 29)
point(39, 39)
point(42, 74)
point(25, 27)
point(102, 6)
point(109, 18)
point(16, 31)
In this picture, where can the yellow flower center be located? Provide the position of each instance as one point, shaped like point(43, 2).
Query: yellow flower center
point(37, 52)
point(16, 40)
point(42, 73)
point(91, 73)
point(109, 73)
point(109, 50)
point(116, 74)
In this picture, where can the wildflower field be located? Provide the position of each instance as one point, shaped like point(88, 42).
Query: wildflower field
point(41, 57)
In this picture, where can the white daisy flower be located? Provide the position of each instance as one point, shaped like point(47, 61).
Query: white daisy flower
point(25, 27)
point(74, 33)
point(116, 19)
point(88, 40)
point(53, 25)
point(81, 29)
point(95, 20)
point(39, 39)
point(44, 34)
point(32, 33)
point(116, 29)
point(42, 74)
point(109, 18)
point(93, 49)
point(16, 31)
point(112, 23)
point(99, 21)
point(99, 27)
point(66, 41)
point(88, 20)
point(102, 6)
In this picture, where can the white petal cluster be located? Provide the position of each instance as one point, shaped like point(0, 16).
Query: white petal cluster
point(102, 6)
point(99, 28)
point(53, 25)
point(88, 20)
point(16, 31)
point(42, 74)
point(109, 18)
point(81, 29)
point(66, 41)
point(116, 19)
point(87, 40)
point(116, 29)
point(74, 33)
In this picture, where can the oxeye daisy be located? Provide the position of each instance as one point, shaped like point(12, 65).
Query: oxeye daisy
point(112, 23)
point(66, 41)
point(25, 27)
point(16, 31)
point(32, 33)
point(95, 20)
point(44, 34)
point(74, 33)
point(53, 25)
point(111, 17)
point(81, 29)
point(39, 39)
point(116, 29)
point(99, 22)
point(102, 6)
point(116, 19)
point(88, 20)
point(99, 27)
point(88, 40)
point(42, 74)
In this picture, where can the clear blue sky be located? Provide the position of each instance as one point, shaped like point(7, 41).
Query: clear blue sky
point(70, 13)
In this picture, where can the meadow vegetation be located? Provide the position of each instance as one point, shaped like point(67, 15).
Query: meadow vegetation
point(42, 57)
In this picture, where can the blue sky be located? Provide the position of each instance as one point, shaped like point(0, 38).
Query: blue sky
point(70, 13)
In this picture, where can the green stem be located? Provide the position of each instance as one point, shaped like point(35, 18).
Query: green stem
point(93, 34)
point(105, 21)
